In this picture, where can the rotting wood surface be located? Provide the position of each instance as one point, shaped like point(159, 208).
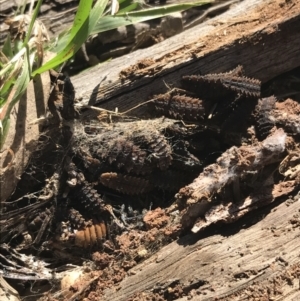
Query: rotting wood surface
point(265, 40)
point(58, 16)
point(266, 253)
point(261, 261)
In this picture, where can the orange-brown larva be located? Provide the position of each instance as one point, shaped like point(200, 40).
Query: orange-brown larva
point(91, 235)
point(124, 183)
point(180, 106)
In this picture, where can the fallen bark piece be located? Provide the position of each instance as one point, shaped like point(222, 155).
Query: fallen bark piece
point(15, 265)
point(255, 261)
point(230, 212)
point(23, 135)
point(8, 293)
point(230, 167)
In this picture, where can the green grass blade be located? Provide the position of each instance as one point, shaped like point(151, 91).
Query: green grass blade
point(165, 10)
point(125, 2)
point(78, 39)
point(129, 8)
point(97, 13)
point(73, 40)
point(15, 94)
point(6, 86)
point(130, 5)
point(111, 22)
point(33, 18)
point(81, 16)
point(23, 80)
point(65, 37)
point(6, 49)
point(71, 48)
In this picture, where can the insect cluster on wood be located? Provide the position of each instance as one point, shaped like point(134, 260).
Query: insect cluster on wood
point(129, 161)
point(136, 151)
point(135, 158)
point(211, 99)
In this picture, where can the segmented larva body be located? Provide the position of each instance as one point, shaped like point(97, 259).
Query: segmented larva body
point(124, 154)
point(222, 85)
point(264, 119)
point(180, 106)
point(125, 184)
point(242, 85)
point(166, 180)
point(138, 153)
point(76, 219)
point(205, 87)
point(91, 235)
point(90, 197)
point(132, 157)
point(159, 151)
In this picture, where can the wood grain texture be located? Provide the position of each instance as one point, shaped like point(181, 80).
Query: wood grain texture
point(217, 45)
point(227, 266)
point(23, 134)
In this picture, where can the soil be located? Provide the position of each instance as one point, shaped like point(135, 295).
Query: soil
point(134, 260)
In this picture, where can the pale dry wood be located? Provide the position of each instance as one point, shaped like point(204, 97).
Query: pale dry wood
point(230, 168)
point(58, 16)
point(23, 134)
point(7, 293)
point(221, 266)
point(263, 36)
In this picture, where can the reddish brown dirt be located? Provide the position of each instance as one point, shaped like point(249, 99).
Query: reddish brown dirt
point(289, 106)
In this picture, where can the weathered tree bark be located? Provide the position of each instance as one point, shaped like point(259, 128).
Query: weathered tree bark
point(263, 36)
point(23, 134)
point(261, 262)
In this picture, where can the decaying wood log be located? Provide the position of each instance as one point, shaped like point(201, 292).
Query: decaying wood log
point(230, 167)
point(260, 261)
point(262, 36)
point(22, 138)
point(24, 132)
